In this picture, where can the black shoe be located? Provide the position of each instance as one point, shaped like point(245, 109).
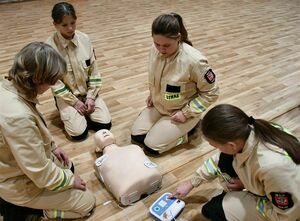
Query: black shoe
point(11, 212)
point(72, 168)
point(150, 152)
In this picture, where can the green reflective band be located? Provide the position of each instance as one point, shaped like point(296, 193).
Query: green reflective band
point(61, 90)
point(95, 80)
point(172, 96)
point(260, 206)
point(214, 170)
point(210, 167)
point(180, 141)
point(58, 214)
point(63, 178)
point(196, 103)
point(54, 214)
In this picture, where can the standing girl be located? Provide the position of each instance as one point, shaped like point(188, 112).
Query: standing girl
point(77, 93)
point(182, 86)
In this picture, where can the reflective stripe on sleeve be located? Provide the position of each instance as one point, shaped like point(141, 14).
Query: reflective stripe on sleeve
point(215, 170)
point(211, 167)
point(63, 180)
point(260, 206)
point(95, 81)
point(61, 90)
point(197, 104)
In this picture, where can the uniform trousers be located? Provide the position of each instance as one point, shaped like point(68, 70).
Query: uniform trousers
point(161, 132)
point(68, 204)
point(76, 124)
point(235, 205)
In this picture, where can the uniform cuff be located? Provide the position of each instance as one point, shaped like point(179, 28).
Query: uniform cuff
point(186, 112)
point(196, 180)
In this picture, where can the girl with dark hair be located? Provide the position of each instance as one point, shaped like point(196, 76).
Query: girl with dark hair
point(182, 86)
point(265, 161)
point(78, 92)
point(34, 172)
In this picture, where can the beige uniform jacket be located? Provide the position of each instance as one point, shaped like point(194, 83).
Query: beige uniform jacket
point(83, 78)
point(183, 81)
point(267, 171)
point(26, 159)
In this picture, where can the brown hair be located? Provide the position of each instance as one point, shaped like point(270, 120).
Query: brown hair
point(37, 63)
point(170, 25)
point(225, 123)
point(62, 9)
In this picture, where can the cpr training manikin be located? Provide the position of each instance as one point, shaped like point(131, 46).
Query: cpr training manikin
point(126, 171)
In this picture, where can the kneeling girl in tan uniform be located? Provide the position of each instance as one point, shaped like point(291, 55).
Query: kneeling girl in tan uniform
point(34, 173)
point(266, 161)
point(182, 86)
point(78, 92)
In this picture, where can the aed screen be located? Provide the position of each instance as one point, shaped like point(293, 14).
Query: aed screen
point(162, 203)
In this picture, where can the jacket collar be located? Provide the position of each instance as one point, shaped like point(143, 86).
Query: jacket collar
point(249, 148)
point(8, 85)
point(65, 42)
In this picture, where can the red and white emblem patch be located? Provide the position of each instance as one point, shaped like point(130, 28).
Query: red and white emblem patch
point(282, 200)
point(210, 76)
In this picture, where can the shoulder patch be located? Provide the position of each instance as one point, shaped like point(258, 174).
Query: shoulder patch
point(210, 76)
point(282, 200)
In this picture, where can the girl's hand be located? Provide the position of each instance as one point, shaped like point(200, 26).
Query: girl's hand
point(61, 156)
point(182, 189)
point(235, 184)
point(79, 183)
point(149, 102)
point(178, 116)
point(80, 107)
point(90, 104)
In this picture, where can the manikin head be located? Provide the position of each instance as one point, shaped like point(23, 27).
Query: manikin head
point(103, 138)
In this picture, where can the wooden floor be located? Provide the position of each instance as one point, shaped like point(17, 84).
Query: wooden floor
point(253, 46)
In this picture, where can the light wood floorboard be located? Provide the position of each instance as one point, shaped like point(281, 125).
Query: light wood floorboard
point(253, 46)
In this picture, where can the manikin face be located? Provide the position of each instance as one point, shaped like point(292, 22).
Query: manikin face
point(67, 27)
point(104, 138)
point(166, 46)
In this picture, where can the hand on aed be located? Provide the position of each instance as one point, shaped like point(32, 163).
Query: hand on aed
point(90, 104)
point(235, 184)
point(61, 156)
point(80, 107)
point(149, 102)
point(178, 116)
point(79, 183)
point(182, 189)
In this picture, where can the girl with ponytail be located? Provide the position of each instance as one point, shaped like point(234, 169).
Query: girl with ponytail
point(182, 86)
point(265, 160)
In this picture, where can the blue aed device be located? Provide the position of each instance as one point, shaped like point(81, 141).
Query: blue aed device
point(165, 209)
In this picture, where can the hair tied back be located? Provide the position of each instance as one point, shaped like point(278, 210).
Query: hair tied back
point(251, 120)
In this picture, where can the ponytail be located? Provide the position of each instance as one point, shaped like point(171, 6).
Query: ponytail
point(170, 25)
point(269, 133)
point(225, 123)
